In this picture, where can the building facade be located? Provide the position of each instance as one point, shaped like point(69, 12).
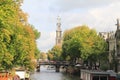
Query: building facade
point(117, 36)
point(113, 40)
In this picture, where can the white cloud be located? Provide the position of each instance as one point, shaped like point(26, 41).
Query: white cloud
point(106, 16)
point(66, 5)
point(47, 41)
point(98, 14)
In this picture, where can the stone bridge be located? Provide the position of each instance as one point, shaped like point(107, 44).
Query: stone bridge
point(57, 64)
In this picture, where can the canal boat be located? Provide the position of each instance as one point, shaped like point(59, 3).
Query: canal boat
point(96, 75)
point(50, 67)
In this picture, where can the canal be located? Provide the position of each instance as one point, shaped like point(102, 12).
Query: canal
point(50, 74)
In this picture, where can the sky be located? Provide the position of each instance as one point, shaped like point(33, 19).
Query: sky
point(100, 15)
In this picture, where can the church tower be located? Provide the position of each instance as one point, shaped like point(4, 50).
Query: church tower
point(58, 32)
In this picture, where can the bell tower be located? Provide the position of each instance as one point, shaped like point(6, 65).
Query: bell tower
point(58, 32)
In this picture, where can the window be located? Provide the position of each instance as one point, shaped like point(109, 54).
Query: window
point(95, 78)
point(103, 78)
point(99, 77)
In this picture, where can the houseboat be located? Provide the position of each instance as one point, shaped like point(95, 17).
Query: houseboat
point(97, 75)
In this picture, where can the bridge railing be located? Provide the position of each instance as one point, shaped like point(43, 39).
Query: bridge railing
point(54, 63)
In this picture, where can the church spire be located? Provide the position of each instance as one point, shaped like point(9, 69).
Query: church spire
point(58, 32)
point(118, 25)
point(58, 23)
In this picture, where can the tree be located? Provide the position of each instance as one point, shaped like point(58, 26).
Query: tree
point(50, 55)
point(17, 36)
point(99, 54)
point(55, 53)
point(81, 42)
point(43, 56)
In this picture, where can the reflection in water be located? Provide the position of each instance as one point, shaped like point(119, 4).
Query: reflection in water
point(45, 74)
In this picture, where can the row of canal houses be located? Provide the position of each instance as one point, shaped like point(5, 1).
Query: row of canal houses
point(113, 40)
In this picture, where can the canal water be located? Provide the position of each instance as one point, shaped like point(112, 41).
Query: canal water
point(50, 74)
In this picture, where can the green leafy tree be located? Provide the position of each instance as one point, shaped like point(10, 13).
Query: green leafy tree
point(55, 53)
point(81, 42)
point(50, 55)
point(17, 37)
